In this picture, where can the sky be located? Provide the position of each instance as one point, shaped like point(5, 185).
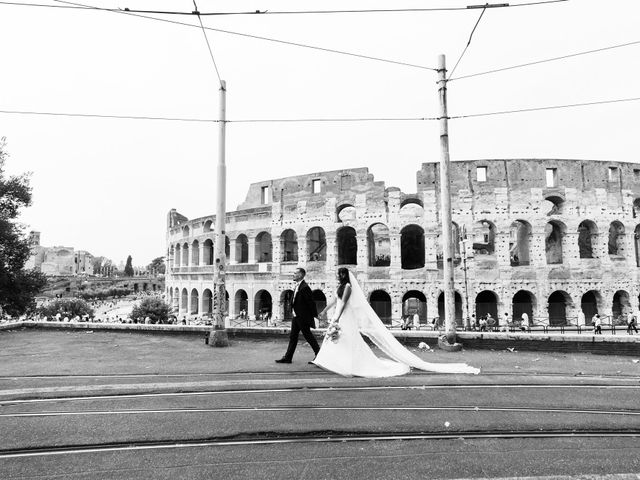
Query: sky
point(106, 185)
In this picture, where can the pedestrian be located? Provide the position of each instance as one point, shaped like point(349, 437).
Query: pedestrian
point(483, 324)
point(416, 321)
point(597, 324)
point(631, 324)
point(507, 322)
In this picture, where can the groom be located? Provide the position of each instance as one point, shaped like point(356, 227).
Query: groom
point(305, 312)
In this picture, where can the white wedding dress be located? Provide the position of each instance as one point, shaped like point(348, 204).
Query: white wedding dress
point(351, 356)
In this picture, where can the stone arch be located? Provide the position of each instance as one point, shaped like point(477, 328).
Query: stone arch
point(345, 212)
point(176, 299)
point(587, 239)
point(484, 237)
point(557, 307)
point(412, 247)
point(636, 243)
point(636, 208)
point(206, 227)
point(458, 308)
point(319, 299)
point(184, 298)
point(185, 254)
point(523, 302)
point(487, 304)
point(178, 257)
point(263, 304)
point(286, 309)
point(264, 248)
point(185, 231)
point(411, 212)
point(195, 253)
point(227, 247)
point(555, 203)
point(289, 246)
point(347, 243)
point(620, 307)
point(616, 239)
point(411, 200)
point(242, 248)
point(590, 304)
point(414, 302)
point(316, 245)
point(519, 240)
point(207, 302)
point(207, 252)
point(193, 308)
point(241, 302)
point(554, 232)
point(379, 244)
point(380, 301)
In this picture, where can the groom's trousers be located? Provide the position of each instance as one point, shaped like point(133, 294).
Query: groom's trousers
point(296, 327)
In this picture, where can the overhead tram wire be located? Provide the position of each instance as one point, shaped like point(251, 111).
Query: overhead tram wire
point(552, 59)
point(256, 37)
point(206, 39)
point(211, 120)
point(468, 42)
point(550, 107)
point(284, 12)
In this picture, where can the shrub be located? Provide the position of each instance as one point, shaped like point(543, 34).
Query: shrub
point(154, 308)
point(67, 307)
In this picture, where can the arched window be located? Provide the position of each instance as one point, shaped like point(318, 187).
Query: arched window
point(620, 307)
point(286, 299)
point(412, 247)
point(207, 254)
point(487, 304)
point(554, 204)
point(227, 247)
point(207, 301)
point(184, 297)
point(379, 244)
point(263, 247)
point(557, 308)
point(289, 246)
point(185, 231)
point(241, 304)
point(316, 245)
point(195, 253)
point(346, 213)
point(178, 256)
point(554, 234)
point(207, 226)
point(484, 234)
point(636, 242)
point(415, 302)
point(616, 239)
point(381, 303)
point(589, 305)
point(242, 249)
point(263, 305)
point(194, 301)
point(519, 235)
point(587, 239)
point(347, 246)
point(523, 302)
point(185, 254)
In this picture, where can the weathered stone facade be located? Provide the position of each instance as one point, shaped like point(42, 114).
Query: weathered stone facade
point(58, 260)
point(553, 238)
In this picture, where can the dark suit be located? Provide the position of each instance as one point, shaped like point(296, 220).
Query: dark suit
point(305, 311)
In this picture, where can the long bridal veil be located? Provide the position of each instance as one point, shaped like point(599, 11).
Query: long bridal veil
point(370, 325)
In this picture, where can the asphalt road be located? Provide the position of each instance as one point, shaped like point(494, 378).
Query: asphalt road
point(77, 405)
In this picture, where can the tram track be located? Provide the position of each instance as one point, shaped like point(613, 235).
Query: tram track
point(274, 438)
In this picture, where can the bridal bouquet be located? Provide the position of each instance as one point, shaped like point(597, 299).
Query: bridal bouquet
point(333, 332)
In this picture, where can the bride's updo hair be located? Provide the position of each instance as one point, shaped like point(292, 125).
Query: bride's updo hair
point(343, 279)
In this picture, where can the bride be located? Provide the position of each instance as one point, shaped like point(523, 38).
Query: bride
point(349, 354)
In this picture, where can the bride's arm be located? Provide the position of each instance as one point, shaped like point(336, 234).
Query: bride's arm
point(326, 309)
point(345, 298)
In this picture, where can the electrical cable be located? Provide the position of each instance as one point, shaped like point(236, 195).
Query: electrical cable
point(553, 59)
point(469, 42)
point(206, 39)
point(257, 37)
point(288, 12)
point(550, 107)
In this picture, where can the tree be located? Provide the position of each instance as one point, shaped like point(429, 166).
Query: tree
point(68, 307)
point(154, 308)
point(17, 287)
point(128, 268)
point(157, 265)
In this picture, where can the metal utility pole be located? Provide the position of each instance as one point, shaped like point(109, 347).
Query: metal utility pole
point(445, 208)
point(218, 335)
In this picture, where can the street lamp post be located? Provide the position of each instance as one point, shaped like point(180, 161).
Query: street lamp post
point(463, 248)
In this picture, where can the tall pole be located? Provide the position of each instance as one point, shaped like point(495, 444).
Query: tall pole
point(218, 336)
point(445, 207)
point(463, 248)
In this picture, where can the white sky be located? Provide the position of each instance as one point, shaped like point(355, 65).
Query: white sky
point(106, 185)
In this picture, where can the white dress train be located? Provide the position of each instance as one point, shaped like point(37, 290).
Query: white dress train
point(351, 356)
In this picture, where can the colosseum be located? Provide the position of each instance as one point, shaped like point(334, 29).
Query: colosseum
point(557, 239)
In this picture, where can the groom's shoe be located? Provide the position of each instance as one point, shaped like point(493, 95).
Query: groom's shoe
point(283, 360)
